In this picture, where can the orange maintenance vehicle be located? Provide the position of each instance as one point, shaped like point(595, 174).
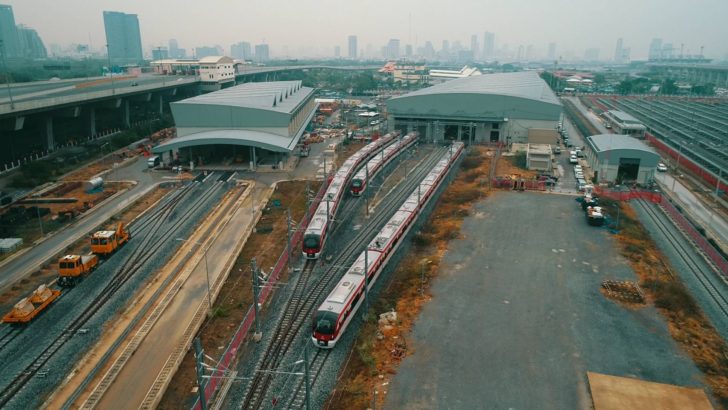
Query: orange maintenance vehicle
point(72, 267)
point(107, 242)
point(28, 308)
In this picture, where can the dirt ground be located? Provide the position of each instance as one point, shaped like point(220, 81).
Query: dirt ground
point(48, 272)
point(406, 293)
point(265, 245)
point(687, 323)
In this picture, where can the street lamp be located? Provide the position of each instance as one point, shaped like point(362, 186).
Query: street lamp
point(7, 76)
point(111, 72)
point(207, 272)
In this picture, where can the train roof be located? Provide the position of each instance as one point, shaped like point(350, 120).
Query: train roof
point(348, 283)
point(318, 222)
point(411, 203)
point(334, 188)
point(384, 237)
point(104, 234)
point(70, 257)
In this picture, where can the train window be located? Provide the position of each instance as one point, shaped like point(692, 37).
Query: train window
point(325, 322)
point(102, 241)
point(311, 241)
point(64, 265)
point(94, 241)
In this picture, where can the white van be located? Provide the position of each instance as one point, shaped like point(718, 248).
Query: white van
point(580, 184)
point(153, 161)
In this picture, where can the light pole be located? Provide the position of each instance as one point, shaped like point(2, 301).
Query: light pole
point(111, 71)
point(7, 76)
point(677, 167)
point(207, 272)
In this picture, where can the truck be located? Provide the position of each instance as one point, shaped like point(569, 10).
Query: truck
point(72, 267)
point(105, 243)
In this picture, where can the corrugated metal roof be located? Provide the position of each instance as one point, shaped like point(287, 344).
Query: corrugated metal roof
point(609, 142)
point(623, 117)
point(524, 84)
point(280, 96)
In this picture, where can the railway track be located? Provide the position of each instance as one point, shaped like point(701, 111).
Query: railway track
point(298, 398)
point(689, 257)
point(142, 252)
point(287, 331)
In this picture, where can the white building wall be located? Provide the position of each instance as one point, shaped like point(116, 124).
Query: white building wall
point(517, 129)
point(217, 72)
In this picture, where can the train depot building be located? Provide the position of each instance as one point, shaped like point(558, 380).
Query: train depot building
point(620, 158)
point(504, 107)
point(249, 126)
point(626, 124)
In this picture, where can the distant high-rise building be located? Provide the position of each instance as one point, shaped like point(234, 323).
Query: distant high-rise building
point(160, 53)
point(428, 51)
point(529, 52)
point(519, 56)
point(591, 54)
point(619, 51)
point(668, 51)
point(474, 45)
point(655, 49)
point(123, 41)
point(445, 46)
point(337, 51)
point(206, 51)
point(352, 47)
point(31, 45)
point(173, 49)
point(241, 51)
point(552, 51)
point(408, 50)
point(10, 46)
point(392, 49)
point(262, 53)
point(488, 45)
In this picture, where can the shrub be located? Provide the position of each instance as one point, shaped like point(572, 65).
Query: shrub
point(672, 295)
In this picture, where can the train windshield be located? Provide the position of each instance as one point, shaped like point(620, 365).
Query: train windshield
point(325, 322)
point(311, 241)
point(356, 183)
point(65, 265)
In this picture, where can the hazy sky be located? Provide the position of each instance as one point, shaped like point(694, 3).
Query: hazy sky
point(315, 27)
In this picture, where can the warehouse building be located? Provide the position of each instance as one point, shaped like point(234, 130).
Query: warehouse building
point(503, 107)
point(619, 159)
point(626, 124)
point(247, 126)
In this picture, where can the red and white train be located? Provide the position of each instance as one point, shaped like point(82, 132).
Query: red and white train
point(333, 316)
point(376, 164)
point(315, 235)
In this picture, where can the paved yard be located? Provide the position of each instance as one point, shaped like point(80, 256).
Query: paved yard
point(517, 318)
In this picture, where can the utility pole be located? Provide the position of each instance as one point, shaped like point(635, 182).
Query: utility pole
point(254, 269)
point(40, 221)
point(111, 71)
point(199, 356)
point(306, 375)
point(288, 237)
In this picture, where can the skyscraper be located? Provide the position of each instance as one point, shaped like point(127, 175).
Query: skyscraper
point(160, 53)
point(31, 45)
point(10, 46)
point(241, 51)
point(173, 48)
point(488, 45)
point(393, 49)
point(591, 54)
point(262, 53)
point(206, 51)
point(352, 47)
point(552, 51)
point(618, 51)
point(655, 49)
point(123, 40)
point(474, 45)
point(337, 51)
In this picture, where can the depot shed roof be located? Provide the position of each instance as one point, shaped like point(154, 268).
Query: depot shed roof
point(278, 96)
point(489, 96)
point(611, 142)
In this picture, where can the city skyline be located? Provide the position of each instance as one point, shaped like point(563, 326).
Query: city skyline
point(158, 24)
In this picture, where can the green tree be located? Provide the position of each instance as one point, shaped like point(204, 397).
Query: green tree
point(668, 87)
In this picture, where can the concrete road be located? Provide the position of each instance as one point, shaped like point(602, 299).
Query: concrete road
point(517, 319)
point(17, 268)
point(140, 372)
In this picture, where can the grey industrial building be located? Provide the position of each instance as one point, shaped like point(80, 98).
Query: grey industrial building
point(616, 158)
point(626, 124)
point(250, 125)
point(503, 107)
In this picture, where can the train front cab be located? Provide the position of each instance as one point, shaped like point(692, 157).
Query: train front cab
point(357, 187)
point(325, 334)
point(311, 246)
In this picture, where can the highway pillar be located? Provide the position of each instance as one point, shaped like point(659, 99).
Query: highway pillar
point(50, 141)
point(125, 113)
point(91, 121)
point(252, 159)
point(161, 105)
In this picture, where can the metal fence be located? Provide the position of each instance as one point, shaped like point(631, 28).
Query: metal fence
point(232, 349)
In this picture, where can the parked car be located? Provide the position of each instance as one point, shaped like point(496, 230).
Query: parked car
point(577, 168)
point(557, 150)
point(661, 167)
point(579, 175)
point(573, 159)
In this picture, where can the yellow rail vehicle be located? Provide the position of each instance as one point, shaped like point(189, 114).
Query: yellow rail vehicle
point(28, 308)
point(72, 267)
point(107, 242)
